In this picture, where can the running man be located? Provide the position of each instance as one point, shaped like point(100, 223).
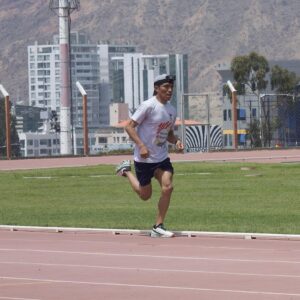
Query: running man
point(151, 127)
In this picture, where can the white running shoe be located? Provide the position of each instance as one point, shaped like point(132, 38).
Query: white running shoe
point(123, 167)
point(161, 231)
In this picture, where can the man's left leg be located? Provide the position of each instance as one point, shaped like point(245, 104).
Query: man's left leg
point(165, 180)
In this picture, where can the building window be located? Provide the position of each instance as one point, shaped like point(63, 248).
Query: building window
point(44, 142)
point(224, 115)
point(241, 114)
point(45, 151)
point(102, 140)
point(242, 139)
point(79, 142)
point(227, 140)
point(253, 112)
point(229, 115)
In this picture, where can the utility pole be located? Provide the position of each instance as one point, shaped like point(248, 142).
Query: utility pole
point(7, 121)
point(85, 119)
point(234, 114)
point(65, 8)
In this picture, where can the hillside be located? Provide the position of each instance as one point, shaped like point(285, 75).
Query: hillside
point(209, 31)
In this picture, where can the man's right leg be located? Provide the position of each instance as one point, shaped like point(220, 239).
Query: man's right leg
point(144, 192)
point(124, 169)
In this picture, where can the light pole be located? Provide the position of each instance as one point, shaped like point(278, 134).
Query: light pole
point(234, 113)
point(85, 122)
point(7, 121)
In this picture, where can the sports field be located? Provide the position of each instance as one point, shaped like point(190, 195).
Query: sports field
point(235, 197)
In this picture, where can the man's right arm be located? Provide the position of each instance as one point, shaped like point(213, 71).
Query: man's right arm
point(130, 129)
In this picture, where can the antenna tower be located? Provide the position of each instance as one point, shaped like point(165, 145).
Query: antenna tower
point(64, 8)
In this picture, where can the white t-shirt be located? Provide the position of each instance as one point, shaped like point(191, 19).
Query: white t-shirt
point(155, 121)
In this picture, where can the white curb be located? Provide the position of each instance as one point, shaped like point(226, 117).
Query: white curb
point(240, 235)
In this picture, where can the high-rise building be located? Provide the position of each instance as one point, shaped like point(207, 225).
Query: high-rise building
point(91, 65)
point(44, 77)
point(111, 77)
point(109, 73)
point(140, 71)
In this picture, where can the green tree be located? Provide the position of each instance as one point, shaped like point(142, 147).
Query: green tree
point(283, 81)
point(254, 132)
point(249, 73)
point(15, 150)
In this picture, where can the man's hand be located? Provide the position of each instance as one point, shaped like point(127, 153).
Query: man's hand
point(179, 146)
point(144, 152)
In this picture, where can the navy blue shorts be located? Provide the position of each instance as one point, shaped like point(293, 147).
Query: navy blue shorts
point(145, 171)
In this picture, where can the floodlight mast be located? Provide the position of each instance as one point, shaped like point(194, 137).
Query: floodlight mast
point(64, 9)
point(85, 119)
point(7, 120)
point(234, 114)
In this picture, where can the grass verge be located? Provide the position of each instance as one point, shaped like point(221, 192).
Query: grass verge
point(235, 197)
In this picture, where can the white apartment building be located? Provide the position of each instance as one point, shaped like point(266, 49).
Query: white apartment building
point(91, 65)
point(39, 144)
point(109, 74)
point(111, 77)
point(140, 71)
point(113, 137)
point(44, 77)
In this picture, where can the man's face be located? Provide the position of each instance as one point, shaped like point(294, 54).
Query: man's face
point(164, 91)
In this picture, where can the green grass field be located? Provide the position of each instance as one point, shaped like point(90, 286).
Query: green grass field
point(235, 197)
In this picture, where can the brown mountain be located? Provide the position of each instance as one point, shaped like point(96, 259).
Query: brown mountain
point(209, 31)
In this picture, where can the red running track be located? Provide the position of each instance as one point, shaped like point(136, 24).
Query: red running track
point(87, 266)
point(54, 266)
point(260, 156)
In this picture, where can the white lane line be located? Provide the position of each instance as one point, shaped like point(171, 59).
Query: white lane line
point(102, 175)
point(151, 256)
point(184, 245)
point(239, 158)
point(165, 245)
point(181, 288)
point(186, 174)
point(147, 269)
point(14, 298)
point(39, 177)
